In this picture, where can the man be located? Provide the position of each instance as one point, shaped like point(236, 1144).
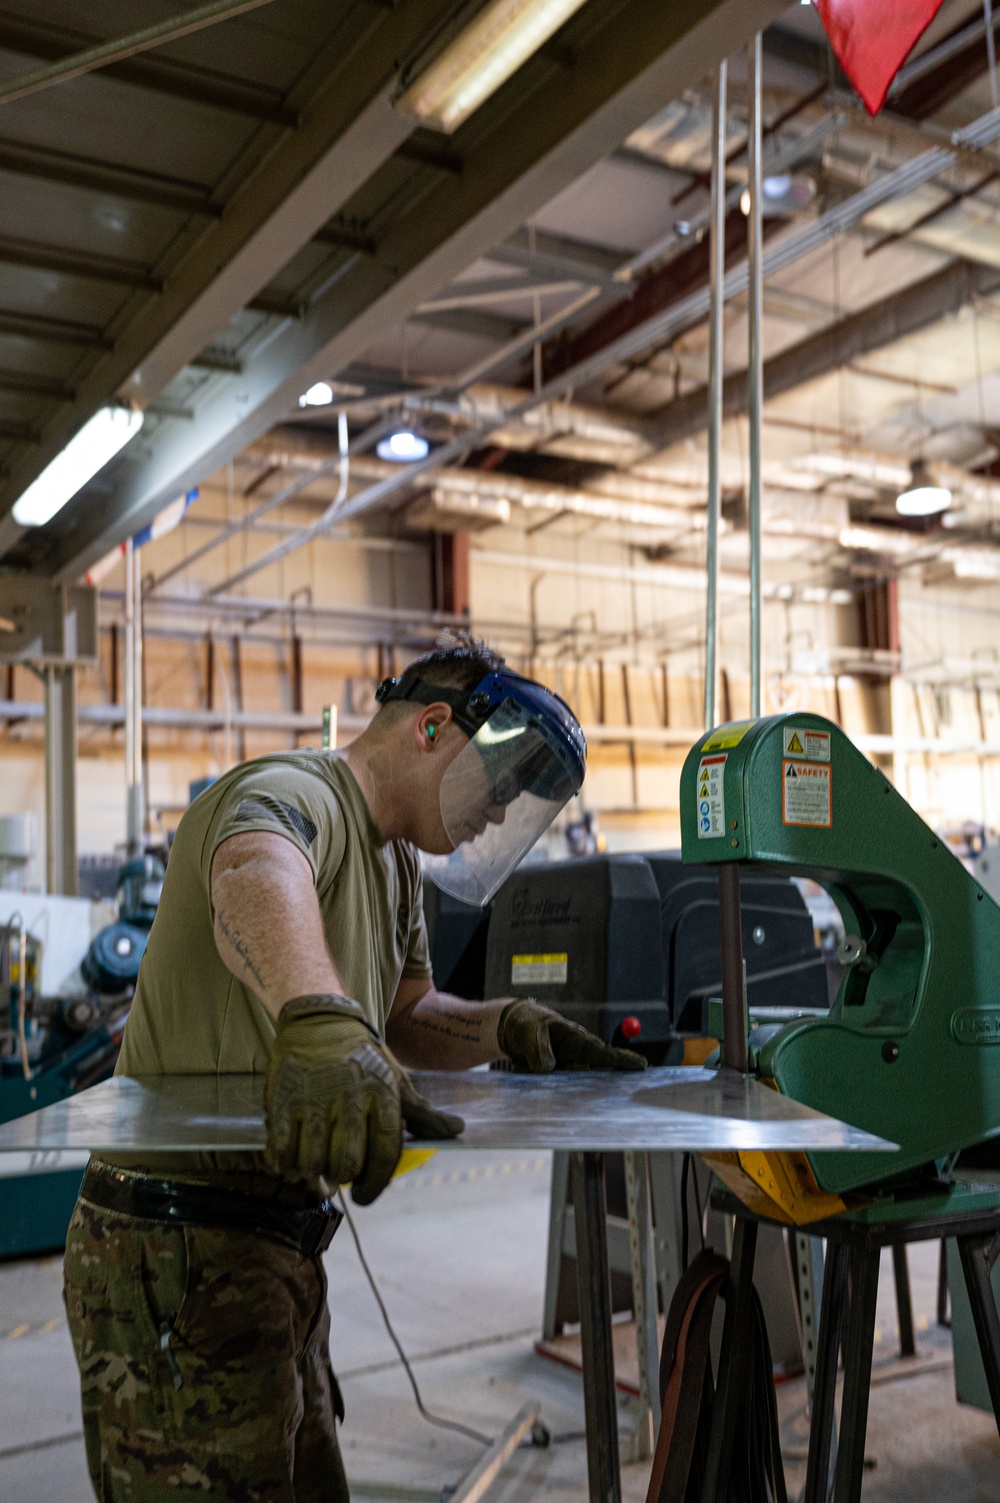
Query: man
point(290, 941)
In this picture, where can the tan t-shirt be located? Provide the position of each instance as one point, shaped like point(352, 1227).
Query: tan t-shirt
point(190, 1014)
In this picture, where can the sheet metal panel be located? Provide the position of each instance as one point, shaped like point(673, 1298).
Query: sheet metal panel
point(670, 1109)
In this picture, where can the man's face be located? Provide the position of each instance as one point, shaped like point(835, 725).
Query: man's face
point(453, 779)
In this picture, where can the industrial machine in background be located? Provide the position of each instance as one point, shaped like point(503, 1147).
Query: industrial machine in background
point(68, 969)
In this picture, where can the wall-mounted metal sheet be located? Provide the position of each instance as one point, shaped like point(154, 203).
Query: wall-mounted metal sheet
point(672, 1109)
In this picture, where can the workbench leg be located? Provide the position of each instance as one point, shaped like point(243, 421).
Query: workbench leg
point(857, 1373)
point(594, 1278)
point(904, 1303)
point(640, 1229)
point(978, 1254)
point(551, 1323)
point(821, 1424)
point(734, 1359)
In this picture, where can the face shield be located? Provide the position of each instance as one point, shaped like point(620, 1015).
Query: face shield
point(525, 759)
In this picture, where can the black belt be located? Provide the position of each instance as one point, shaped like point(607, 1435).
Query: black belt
point(309, 1229)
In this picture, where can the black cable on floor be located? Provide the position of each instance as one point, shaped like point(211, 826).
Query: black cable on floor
point(685, 1169)
point(432, 1419)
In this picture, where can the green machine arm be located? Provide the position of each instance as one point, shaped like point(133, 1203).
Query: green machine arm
point(911, 1047)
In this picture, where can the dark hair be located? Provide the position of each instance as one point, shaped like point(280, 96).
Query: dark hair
point(461, 662)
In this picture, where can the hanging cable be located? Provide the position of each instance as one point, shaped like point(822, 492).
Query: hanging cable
point(991, 51)
point(432, 1419)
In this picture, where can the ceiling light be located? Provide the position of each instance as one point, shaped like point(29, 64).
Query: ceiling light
point(921, 499)
point(97, 442)
point(319, 395)
point(403, 447)
point(482, 58)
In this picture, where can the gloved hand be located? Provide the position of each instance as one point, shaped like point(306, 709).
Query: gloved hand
point(336, 1099)
point(537, 1040)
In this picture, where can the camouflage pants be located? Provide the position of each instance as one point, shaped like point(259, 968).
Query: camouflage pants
point(204, 1364)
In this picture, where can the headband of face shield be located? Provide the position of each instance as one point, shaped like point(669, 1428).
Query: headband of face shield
point(525, 759)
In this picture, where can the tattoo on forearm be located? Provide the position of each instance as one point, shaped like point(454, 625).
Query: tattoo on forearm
point(448, 1025)
point(234, 938)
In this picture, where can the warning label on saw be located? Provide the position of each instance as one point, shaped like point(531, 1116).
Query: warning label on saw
point(711, 791)
point(806, 794)
point(801, 742)
point(538, 970)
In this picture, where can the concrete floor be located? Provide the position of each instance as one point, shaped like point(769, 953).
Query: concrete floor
point(458, 1250)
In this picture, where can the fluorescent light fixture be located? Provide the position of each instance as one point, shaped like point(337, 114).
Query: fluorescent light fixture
point(923, 501)
point(403, 447)
point(97, 442)
point(320, 394)
point(482, 58)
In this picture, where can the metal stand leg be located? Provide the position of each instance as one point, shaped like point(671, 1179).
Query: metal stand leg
point(825, 1390)
point(857, 1374)
point(733, 1362)
point(943, 1318)
point(594, 1278)
point(643, 1302)
point(904, 1304)
point(978, 1254)
point(551, 1324)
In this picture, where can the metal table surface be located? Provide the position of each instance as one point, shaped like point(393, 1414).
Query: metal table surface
point(673, 1110)
point(679, 1109)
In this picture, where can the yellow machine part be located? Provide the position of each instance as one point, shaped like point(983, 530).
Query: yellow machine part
point(412, 1158)
point(780, 1186)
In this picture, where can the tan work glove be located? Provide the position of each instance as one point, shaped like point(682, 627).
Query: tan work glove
point(336, 1100)
point(537, 1040)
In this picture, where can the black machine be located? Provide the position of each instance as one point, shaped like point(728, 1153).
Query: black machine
point(626, 945)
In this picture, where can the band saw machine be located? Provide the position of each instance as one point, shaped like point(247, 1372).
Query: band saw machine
point(910, 1048)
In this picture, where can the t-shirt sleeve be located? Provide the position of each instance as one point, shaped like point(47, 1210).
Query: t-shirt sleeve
point(418, 950)
point(285, 800)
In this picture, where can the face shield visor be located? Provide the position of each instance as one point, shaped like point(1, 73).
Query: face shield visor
point(526, 757)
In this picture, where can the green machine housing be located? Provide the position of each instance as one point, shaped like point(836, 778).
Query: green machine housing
point(910, 1049)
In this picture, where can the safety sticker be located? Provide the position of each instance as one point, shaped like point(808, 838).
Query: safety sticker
point(806, 794)
point(799, 741)
point(711, 790)
point(538, 970)
point(729, 735)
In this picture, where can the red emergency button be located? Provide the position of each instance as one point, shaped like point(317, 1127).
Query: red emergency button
point(630, 1028)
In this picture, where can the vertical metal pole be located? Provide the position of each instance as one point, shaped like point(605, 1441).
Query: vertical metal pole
point(755, 366)
point(734, 1024)
point(60, 780)
point(640, 1232)
point(594, 1277)
point(716, 346)
point(134, 806)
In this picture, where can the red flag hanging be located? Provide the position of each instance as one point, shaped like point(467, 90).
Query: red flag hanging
point(872, 39)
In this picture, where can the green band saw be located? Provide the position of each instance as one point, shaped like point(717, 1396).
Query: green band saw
point(910, 1048)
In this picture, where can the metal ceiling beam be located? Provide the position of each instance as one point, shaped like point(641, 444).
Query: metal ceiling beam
point(477, 323)
point(30, 38)
point(906, 312)
point(535, 136)
point(129, 183)
point(52, 330)
point(24, 383)
point(38, 257)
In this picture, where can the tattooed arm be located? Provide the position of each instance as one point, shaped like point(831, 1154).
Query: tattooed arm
point(431, 1030)
point(268, 925)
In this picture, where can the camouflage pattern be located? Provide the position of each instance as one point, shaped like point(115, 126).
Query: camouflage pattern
point(204, 1362)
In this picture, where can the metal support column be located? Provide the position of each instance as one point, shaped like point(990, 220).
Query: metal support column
point(716, 375)
point(134, 792)
point(60, 780)
point(644, 1302)
point(755, 368)
point(734, 1022)
point(600, 1403)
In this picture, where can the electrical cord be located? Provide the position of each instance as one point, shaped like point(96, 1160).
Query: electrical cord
point(432, 1419)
